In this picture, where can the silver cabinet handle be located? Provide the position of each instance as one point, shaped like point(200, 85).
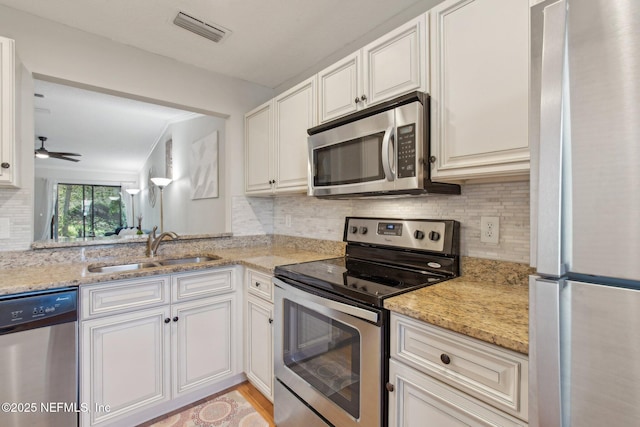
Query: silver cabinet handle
point(5, 165)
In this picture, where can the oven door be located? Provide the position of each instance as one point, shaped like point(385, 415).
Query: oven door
point(330, 354)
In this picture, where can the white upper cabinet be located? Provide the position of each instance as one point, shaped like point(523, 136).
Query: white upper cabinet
point(479, 98)
point(339, 88)
point(394, 64)
point(276, 141)
point(258, 141)
point(294, 113)
point(8, 175)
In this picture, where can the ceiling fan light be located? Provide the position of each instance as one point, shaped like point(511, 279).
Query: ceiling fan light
point(213, 32)
point(42, 155)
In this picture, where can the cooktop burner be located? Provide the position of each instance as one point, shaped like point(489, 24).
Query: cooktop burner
point(383, 258)
point(360, 280)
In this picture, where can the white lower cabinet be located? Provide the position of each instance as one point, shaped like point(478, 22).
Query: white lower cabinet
point(444, 379)
point(420, 401)
point(137, 363)
point(259, 332)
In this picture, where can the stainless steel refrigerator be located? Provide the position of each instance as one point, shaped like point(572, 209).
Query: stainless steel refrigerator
point(585, 137)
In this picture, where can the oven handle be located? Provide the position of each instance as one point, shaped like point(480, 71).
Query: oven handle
point(358, 312)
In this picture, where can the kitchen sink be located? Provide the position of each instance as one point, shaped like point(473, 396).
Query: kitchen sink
point(117, 268)
point(120, 267)
point(188, 260)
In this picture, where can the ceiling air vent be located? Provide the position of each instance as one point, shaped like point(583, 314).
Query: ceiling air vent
point(214, 32)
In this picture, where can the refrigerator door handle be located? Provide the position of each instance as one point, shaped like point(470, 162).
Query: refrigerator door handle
point(544, 344)
point(549, 256)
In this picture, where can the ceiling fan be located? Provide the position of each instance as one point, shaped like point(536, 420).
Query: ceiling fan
point(42, 152)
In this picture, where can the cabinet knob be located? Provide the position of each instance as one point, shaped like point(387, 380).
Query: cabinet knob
point(167, 320)
point(445, 358)
point(257, 284)
point(363, 98)
point(357, 100)
point(432, 159)
point(5, 165)
point(270, 320)
point(390, 387)
point(175, 319)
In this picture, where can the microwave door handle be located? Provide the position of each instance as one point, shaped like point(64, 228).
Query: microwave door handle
point(388, 160)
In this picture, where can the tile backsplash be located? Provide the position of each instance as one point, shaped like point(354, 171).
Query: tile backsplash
point(303, 216)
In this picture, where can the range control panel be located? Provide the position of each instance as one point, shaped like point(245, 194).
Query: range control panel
point(20, 309)
point(420, 234)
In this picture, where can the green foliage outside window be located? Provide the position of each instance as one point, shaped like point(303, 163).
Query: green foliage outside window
point(88, 210)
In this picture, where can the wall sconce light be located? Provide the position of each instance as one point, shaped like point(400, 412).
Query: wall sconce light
point(161, 183)
point(133, 192)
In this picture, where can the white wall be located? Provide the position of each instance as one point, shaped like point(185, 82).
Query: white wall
point(57, 52)
point(181, 214)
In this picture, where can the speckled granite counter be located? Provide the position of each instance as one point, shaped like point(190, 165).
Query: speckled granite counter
point(489, 301)
point(265, 257)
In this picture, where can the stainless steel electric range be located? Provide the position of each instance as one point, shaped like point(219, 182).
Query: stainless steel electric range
point(331, 329)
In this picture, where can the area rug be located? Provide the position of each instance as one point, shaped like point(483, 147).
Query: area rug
point(228, 410)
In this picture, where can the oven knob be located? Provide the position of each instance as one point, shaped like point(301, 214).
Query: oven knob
point(363, 230)
point(354, 229)
point(419, 234)
point(434, 236)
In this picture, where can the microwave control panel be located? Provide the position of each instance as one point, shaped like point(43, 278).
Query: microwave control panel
point(406, 151)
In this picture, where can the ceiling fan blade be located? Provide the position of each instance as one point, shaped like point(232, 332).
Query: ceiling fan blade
point(61, 156)
point(64, 154)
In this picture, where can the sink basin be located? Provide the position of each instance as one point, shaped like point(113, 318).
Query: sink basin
point(121, 267)
point(187, 260)
point(149, 264)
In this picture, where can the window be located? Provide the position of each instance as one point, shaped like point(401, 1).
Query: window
point(88, 210)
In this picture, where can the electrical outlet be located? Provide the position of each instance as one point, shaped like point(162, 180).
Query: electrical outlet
point(490, 229)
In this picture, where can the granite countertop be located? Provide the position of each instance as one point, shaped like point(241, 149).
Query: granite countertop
point(489, 301)
point(58, 275)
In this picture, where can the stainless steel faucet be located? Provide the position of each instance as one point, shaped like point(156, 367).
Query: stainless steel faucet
point(153, 242)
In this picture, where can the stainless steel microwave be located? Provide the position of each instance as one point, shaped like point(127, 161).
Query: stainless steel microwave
point(379, 151)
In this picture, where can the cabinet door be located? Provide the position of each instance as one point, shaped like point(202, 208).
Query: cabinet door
point(418, 400)
point(340, 88)
point(295, 112)
point(259, 344)
point(7, 112)
point(258, 137)
point(396, 63)
point(124, 364)
point(479, 99)
point(202, 342)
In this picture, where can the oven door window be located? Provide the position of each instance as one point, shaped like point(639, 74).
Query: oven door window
point(325, 353)
point(350, 162)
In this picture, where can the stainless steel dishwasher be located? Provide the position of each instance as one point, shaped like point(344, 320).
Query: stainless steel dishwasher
point(38, 359)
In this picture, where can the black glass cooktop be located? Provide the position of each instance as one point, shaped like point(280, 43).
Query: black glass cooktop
point(356, 279)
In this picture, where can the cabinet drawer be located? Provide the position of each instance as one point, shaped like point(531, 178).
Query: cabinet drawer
point(115, 297)
point(491, 374)
point(201, 284)
point(260, 284)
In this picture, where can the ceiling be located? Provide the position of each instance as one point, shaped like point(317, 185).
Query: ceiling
point(271, 40)
point(111, 133)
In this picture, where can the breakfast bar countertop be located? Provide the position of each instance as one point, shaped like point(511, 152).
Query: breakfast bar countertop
point(59, 275)
point(489, 301)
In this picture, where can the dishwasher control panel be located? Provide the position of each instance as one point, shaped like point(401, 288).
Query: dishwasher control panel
point(35, 307)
